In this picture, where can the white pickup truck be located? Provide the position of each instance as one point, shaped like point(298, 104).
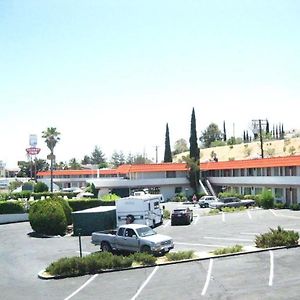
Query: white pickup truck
point(133, 238)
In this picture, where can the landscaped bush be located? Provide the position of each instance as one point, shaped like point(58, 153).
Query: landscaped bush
point(90, 264)
point(277, 237)
point(9, 207)
point(48, 217)
point(144, 259)
point(67, 209)
point(227, 250)
point(280, 205)
point(230, 194)
point(180, 255)
point(110, 197)
point(166, 214)
point(40, 187)
point(214, 211)
point(295, 206)
point(233, 209)
point(80, 204)
point(266, 199)
point(181, 197)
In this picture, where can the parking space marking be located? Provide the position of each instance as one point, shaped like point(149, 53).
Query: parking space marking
point(271, 276)
point(249, 215)
point(204, 245)
point(223, 217)
point(282, 216)
point(84, 252)
point(208, 277)
point(167, 224)
point(226, 239)
point(249, 233)
point(196, 221)
point(145, 283)
point(82, 287)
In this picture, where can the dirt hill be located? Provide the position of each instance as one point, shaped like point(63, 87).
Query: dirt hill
point(273, 148)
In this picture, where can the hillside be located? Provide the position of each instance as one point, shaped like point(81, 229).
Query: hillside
point(286, 147)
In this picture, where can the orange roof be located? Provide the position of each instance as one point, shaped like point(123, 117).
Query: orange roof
point(163, 167)
point(78, 172)
point(283, 161)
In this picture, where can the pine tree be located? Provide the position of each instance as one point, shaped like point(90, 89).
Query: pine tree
point(168, 153)
point(194, 173)
point(224, 132)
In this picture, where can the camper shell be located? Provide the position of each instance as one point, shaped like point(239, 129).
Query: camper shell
point(140, 209)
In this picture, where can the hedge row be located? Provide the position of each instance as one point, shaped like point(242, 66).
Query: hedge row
point(36, 196)
point(80, 204)
point(8, 207)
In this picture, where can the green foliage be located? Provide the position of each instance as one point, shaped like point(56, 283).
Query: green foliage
point(80, 204)
point(91, 189)
point(180, 146)
point(211, 134)
point(295, 206)
point(227, 250)
point(166, 214)
point(67, 209)
point(143, 258)
point(233, 209)
point(230, 194)
point(168, 153)
point(40, 187)
point(266, 199)
point(180, 197)
point(110, 197)
point(48, 217)
point(90, 264)
point(213, 211)
point(279, 205)
point(277, 237)
point(180, 255)
point(9, 207)
point(14, 185)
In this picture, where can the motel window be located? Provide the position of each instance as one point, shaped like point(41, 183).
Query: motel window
point(258, 191)
point(235, 172)
point(250, 172)
point(247, 191)
point(178, 189)
point(171, 174)
point(242, 172)
point(278, 194)
point(276, 171)
point(258, 172)
point(268, 171)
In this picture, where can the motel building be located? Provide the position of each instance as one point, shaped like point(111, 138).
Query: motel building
point(249, 177)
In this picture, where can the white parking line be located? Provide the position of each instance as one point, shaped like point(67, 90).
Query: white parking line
point(204, 245)
point(167, 224)
point(271, 276)
point(250, 233)
point(84, 252)
point(145, 283)
point(226, 239)
point(282, 216)
point(208, 276)
point(223, 217)
point(249, 215)
point(83, 286)
point(196, 221)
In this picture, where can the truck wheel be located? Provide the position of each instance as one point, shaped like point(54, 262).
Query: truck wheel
point(146, 249)
point(105, 247)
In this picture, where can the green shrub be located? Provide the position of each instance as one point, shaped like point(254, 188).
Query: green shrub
point(227, 250)
point(166, 214)
point(40, 187)
point(67, 209)
point(279, 205)
point(277, 237)
point(80, 204)
point(48, 217)
point(295, 206)
point(90, 264)
point(266, 199)
point(144, 259)
point(9, 207)
point(110, 197)
point(214, 211)
point(180, 255)
point(230, 194)
point(180, 197)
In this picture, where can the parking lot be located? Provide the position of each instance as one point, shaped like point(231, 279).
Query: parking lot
point(266, 275)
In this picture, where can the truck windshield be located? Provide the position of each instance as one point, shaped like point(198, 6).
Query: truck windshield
point(145, 231)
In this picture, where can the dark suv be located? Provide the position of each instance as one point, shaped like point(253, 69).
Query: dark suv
point(182, 215)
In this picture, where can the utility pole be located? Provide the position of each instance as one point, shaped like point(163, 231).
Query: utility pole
point(257, 126)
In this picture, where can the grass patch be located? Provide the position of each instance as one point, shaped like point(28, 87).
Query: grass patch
point(166, 214)
point(180, 255)
point(233, 209)
point(227, 250)
point(213, 211)
point(277, 237)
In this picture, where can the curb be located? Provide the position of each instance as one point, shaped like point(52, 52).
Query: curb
point(43, 275)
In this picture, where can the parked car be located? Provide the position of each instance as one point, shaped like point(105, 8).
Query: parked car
point(133, 238)
point(182, 215)
point(231, 202)
point(204, 201)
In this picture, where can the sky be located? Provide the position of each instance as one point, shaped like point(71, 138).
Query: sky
point(113, 73)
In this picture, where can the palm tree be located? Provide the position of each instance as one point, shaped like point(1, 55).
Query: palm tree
point(51, 136)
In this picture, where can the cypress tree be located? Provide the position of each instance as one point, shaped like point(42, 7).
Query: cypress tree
point(168, 153)
point(244, 136)
point(224, 132)
point(194, 173)
point(282, 131)
point(267, 128)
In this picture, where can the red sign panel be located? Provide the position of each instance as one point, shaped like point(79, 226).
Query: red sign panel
point(33, 150)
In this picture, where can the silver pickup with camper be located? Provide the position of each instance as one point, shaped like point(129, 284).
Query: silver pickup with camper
point(133, 238)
